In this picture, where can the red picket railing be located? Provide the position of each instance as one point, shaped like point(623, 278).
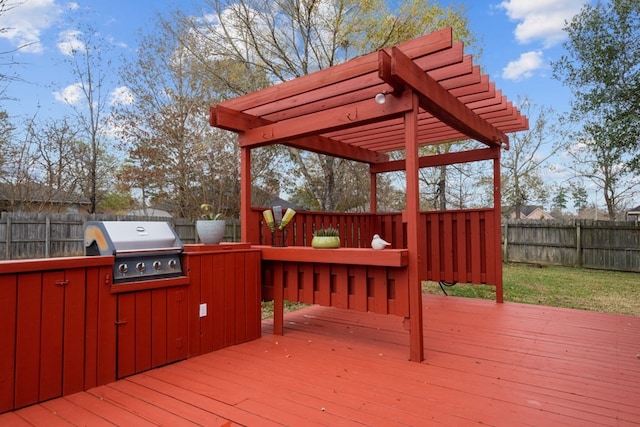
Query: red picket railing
point(461, 246)
point(356, 229)
point(455, 246)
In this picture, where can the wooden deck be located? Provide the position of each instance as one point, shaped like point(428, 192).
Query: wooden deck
point(486, 363)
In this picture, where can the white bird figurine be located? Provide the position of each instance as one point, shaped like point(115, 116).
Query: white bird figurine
point(379, 243)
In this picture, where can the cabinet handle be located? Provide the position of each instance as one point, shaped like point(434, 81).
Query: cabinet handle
point(120, 322)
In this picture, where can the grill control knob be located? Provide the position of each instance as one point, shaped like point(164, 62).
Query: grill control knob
point(157, 265)
point(172, 264)
point(123, 268)
point(140, 267)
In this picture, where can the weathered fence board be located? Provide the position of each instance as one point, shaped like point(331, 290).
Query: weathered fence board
point(26, 235)
point(605, 245)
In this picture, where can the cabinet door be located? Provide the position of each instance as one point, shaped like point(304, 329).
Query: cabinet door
point(152, 329)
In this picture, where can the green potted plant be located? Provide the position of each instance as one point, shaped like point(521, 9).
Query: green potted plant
point(210, 228)
point(326, 238)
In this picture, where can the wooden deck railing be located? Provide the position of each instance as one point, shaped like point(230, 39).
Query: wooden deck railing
point(461, 246)
point(356, 229)
point(457, 246)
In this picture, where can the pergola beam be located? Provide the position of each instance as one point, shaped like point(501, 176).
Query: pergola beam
point(325, 121)
point(438, 160)
point(400, 71)
point(322, 145)
point(237, 121)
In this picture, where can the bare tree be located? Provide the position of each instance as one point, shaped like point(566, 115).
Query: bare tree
point(6, 60)
point(277, 41)
point(448, 186)
point(522, 164)
point(56, 151)
point(176, 159)
point(90, 70)
point(605, 165)
point(6, 132)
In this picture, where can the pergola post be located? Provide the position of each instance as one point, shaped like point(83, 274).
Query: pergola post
point(497, 214)
point(245, 193)
point(413, 232)
point(373, 191)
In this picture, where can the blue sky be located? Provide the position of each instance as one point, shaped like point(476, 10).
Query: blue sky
point(519, 38)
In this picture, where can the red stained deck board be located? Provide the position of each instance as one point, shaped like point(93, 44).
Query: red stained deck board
point(399, 394)
point(201, 380)
point(39, 416)
point(132, 402)
point(109, 411)
point(74, 414)
point(161, 400)
point(181, 399)
point(12, 419)
point(460, 374)
point(295, 389)
point(495, 364)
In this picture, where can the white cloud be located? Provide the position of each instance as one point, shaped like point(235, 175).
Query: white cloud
point(69, 42)
point(559, 172)
point(541, 19)
point(71, 94)
point(24, 23)
point(523, 67)
point(121, 96)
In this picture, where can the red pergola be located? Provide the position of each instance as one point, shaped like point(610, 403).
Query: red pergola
point(421, 92)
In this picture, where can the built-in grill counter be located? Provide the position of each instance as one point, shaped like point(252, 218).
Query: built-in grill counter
point(143, 250)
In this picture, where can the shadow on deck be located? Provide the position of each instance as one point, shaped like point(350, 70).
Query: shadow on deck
point(493, 364)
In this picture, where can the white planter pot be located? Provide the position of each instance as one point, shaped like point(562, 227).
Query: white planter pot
point(211, 232)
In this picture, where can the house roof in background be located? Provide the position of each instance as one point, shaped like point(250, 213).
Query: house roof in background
point(39, 193)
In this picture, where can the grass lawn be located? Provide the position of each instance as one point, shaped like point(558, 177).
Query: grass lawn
point(595, 290)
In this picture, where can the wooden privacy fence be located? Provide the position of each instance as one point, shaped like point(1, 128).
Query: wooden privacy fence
point(27, 235)
point(605, 245)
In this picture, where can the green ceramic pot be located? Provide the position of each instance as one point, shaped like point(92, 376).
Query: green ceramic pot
point(325, 242)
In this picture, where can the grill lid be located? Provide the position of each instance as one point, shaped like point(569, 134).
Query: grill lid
point(120, 237)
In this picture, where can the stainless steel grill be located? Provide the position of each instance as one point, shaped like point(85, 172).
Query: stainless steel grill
point(143, 250)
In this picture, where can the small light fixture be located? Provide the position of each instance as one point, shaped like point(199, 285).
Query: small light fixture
point(381, 98)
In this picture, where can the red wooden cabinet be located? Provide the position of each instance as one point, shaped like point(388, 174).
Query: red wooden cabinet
point(224, 295)
point(65, 327)
point(57, 335)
